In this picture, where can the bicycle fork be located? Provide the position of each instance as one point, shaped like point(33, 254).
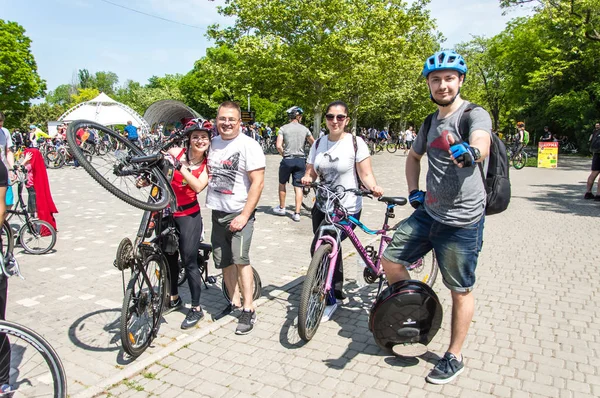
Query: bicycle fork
point(335, 247)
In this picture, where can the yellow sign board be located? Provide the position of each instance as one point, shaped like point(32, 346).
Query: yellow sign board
point(548, 155)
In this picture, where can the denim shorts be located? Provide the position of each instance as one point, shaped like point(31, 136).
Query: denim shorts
point(456, 248)
point(292, 167)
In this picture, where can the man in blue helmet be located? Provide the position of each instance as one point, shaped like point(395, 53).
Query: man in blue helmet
point(449, 217)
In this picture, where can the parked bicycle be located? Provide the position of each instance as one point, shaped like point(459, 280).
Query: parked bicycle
point(31, 366)
point(318, 283)
point(35, 236)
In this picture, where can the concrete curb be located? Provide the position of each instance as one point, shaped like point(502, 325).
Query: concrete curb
point(140, 365)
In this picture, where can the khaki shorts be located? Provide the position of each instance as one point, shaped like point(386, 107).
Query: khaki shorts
point(230, 247)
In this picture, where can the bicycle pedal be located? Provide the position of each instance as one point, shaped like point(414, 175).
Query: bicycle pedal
point(211, 279)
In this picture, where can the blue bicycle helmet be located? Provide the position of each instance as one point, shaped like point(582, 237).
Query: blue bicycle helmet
point(447, 59)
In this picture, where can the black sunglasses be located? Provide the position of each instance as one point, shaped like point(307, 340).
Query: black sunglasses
point(340, 118)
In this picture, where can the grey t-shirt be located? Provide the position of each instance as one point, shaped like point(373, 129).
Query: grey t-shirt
point(455, 196)
point(5, 143)
point(294, 136)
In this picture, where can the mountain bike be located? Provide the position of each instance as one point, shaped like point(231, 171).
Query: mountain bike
point(394, 146)
point(31, 364)
point(318, 284)
point(35, 236)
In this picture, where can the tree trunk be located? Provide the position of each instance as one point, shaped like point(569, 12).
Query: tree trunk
point(317, 119)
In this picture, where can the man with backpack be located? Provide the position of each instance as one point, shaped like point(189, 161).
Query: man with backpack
point(449, 216)
point(522, 138)
point(595, 149)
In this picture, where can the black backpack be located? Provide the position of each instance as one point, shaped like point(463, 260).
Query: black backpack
point(497, 182)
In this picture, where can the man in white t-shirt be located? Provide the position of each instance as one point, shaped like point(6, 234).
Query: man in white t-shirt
point(236, 172)
point(409, 136)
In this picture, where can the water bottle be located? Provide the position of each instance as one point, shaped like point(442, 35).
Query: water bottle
point(360, 268)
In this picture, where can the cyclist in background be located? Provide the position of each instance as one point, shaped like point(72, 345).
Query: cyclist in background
point(290, 145)
point(521, 139)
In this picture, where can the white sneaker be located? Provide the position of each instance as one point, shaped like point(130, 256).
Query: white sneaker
point(328, 313)
point(279, 211)
point(296, 217)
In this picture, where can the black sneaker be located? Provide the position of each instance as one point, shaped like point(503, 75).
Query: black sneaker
point(173, 305)
point(192, 318)
point(246, 322)
point(588, 195)
point(446, 370)
point(597, 198)
point(231, 309)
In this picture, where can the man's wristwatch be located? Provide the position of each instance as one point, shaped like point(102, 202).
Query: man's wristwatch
point(476, 153)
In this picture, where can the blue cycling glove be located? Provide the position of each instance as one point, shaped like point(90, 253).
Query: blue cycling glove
point(416, 198)
point(465, 154)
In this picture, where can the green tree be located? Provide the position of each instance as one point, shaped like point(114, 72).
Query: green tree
point(106, 82)
point(581, 17)
point(19, 79)
point(61, 95)
point(310, 51)
point(40, 114)
point(84, 94)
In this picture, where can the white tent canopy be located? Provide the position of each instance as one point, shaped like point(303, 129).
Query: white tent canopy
point(106, 111)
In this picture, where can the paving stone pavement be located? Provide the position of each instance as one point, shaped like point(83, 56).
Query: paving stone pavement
point(535, 331)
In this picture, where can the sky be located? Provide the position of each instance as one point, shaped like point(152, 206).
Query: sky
point(68, 35)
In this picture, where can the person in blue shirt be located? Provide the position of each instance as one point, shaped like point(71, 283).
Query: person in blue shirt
point(132, 134)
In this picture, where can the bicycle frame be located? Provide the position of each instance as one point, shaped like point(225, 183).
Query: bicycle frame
point(342, 223)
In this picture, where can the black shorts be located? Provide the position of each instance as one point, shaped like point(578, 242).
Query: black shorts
point(3, 175)
point(294, 167)
point(596, 162)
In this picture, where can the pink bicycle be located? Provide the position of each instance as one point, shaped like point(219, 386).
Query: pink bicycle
point(318, 283)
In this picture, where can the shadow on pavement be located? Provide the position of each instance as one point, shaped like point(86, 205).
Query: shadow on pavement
point(565, 199)
point(84, 331)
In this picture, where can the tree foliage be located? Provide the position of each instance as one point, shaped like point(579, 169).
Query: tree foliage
point(19, 79)
point(310, 52)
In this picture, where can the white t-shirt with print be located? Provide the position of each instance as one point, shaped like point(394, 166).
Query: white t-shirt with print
point(229, 162)
point(334, 163)
point(408, 135)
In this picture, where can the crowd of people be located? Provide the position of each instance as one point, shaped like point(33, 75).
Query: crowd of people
point(448, 218)
point(224, 158)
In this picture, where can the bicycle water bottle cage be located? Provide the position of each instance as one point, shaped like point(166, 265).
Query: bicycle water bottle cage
point(407, 313)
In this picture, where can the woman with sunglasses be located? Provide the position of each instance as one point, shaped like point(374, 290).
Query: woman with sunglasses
point(189, 179)
point(339, 158)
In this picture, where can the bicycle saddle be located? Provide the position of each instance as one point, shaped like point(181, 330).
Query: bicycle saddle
point(398, 200)
point(407, 313)
point(205, 246)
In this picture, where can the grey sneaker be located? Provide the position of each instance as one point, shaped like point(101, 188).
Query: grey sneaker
point(446, 370)
point(246, 322)
point(279, 211)
point(192, 318)
point(296, 217)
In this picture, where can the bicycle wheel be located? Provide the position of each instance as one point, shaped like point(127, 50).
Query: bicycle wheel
point(391, 148)
point(37, 236)
point(424, 269)
point(520, 161)
point(314, 297)
point(54, 159)
point(378, 148)
point(308, 198)
point(117, 175)
point(256, 288)
point(29, 364)
point(7, 242)
point(142, 306)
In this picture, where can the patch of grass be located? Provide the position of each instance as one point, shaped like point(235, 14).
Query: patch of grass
point(133, 384)
point(149, 375)
point(163, 365)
